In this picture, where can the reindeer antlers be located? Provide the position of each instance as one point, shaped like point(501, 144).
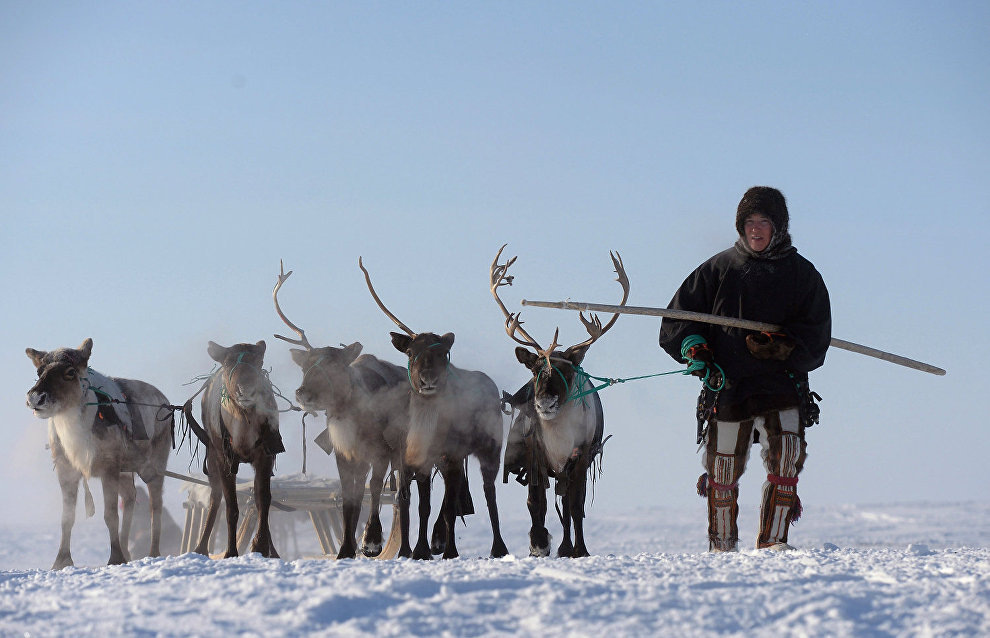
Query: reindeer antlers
point(594, 326)
point(302, 340)
point(367, 278)
point(513, 324)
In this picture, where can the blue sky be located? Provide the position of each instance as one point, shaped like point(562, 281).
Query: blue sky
point(158, 159)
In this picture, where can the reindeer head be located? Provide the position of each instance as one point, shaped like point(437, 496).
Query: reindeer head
point(61, 375)
point(326, 383)
point(245, 381)
point(428, 353)
point(554, 378)
point(554, 373)
point(429, 359)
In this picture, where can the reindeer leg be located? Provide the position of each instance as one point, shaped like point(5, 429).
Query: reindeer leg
point(453, 479)
point(68, 480)
point(566, 549)
point(539, 535)
point(350, 475)
point(229, 487)
point(404, 496)
point(155, 488)
point(262, 542)
point(438, 539)
point(111, 482)
point(128, 494)
point(372, 541)
point(489, 472)
point(213, 474)
point(422, 551)
point(578, 493)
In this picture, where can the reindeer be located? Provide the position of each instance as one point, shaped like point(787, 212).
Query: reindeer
point(359, 396)
point(452, 413)
point(240, 425)
point(559, 429)
point(90, 437)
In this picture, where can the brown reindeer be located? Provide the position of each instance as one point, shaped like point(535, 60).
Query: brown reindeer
point(360, 395)
point(240, 421)
point(559, 430)
point(452, 413)
point(103, 427)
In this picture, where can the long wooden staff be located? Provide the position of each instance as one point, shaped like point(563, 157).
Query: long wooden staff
point(745, 324)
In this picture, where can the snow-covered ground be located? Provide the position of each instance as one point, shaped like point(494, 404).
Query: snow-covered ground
point(913, 569)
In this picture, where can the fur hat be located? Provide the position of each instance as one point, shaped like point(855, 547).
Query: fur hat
point(766, 201)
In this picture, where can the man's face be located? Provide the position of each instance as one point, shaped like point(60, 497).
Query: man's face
point(758, 231)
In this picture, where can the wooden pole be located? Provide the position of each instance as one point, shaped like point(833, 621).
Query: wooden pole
point(744, 324)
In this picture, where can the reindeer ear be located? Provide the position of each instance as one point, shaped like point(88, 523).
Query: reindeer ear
point(35, 356)
point(448, 340)
point(216, 352)
point(575, 354)
point(352, 351)
point(525, 357)
point(260, 348)
point(299, 356)
point(401, 341)
point(86, 349)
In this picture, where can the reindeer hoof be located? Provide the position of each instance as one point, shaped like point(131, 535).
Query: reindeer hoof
point(539, 552)
point(539, 543)
point(422, 552)
point(371, 549)
point(265, 547)
point(372, 540)
point(499, 549)
point(438, 542)
point(62, 561)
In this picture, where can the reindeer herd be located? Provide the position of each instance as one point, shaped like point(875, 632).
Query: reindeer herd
point(428, 416)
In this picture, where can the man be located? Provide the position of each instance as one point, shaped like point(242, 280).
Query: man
point(756, 384)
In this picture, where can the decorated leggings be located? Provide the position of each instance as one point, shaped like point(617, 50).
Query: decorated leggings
point(727, 449)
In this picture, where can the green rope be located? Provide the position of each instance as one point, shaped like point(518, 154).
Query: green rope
point(583, 376)
point(690, 342)
point(203, 377)
point(98, 391)
point(694, 365)
point(567, 387)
